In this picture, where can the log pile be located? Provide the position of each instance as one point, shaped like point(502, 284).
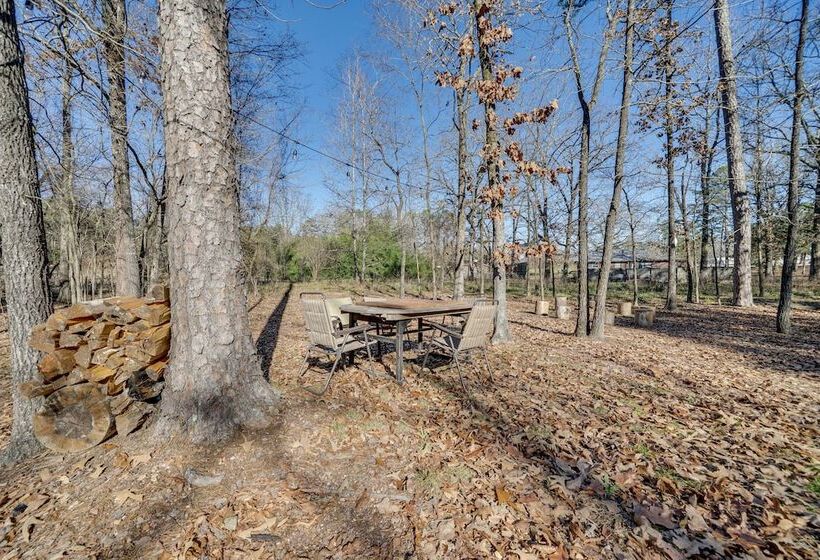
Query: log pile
point(102, 368)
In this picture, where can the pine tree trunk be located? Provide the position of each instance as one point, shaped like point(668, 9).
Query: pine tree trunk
point(599, 318)
point(22, 233)
point(125, 248)
point(214, 384)
point(784, 308)
point(741, 207)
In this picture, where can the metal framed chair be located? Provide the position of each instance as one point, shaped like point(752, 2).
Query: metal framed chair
point(329, 340)
point(473, 337)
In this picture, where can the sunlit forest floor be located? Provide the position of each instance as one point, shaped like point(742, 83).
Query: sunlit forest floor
point(697, 438)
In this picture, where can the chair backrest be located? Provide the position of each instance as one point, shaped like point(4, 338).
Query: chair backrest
point(317, 319)
point(334, 305)
point(479, 326)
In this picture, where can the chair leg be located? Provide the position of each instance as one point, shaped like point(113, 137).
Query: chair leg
point(426, 355)
point(305, 364)
point(487, 363)
point(369, 357)
point(327, 381)
point(460, 374)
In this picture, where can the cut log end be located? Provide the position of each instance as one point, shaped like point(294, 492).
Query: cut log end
point(73, 419)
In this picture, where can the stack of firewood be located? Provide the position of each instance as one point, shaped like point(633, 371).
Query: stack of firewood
point(102, 369)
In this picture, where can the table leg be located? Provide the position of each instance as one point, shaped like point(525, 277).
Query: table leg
point(421, 334)
point(351, 355)
point(400, 326)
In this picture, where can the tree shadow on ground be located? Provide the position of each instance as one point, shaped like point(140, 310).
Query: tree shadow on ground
point(749, 333)
point(269, 337)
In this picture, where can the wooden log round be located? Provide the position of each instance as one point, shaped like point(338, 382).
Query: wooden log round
point(542, 307)
point(562, 311)
point(644, 316)
point(73, 419)
point(561, 301)
point(625, 308)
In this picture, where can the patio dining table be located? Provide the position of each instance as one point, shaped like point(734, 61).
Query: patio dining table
point(400, 312)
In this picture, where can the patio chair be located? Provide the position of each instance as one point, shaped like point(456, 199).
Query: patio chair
point(329, 340)
point(465, 342)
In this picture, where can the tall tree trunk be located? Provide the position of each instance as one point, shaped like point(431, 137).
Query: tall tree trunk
point(67, 201)
point(214, 384)
point(633, 248)
point(741, 207)
point(784, 307)
point(463, 180)
point(598, 321)
point(570, 229)
point(671, 238)
point(125, 248)
point(22, 233)
point(582, 323)
point(492, 147)
point(692, 275)
point(815, 227)
point(760, 229)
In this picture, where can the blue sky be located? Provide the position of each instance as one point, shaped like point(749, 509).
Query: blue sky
point(327, 37)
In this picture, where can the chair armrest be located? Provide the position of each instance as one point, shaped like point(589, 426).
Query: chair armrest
point(443, 328)
point(353, 330)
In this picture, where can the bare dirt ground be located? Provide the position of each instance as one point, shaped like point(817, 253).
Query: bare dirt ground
point(698, 438)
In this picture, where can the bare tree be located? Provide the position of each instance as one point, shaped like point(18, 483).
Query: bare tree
point(784, 307)
point(587, 104)
point(22, 231)
point(597, 329)
point(741, 207)
point(127, 266)
point(214, 385)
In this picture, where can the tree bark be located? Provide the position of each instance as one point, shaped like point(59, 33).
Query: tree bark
point(214, 384)
point(815, 228)
point(463, 180)
point(741, 207)
point(669, 130)
point(492, 147)
point(67, 201)
point(784, 307)
point(22, 233)
point(598, 321)
point(125, 248)
point(582, 323)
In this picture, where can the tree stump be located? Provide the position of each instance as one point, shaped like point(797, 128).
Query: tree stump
point(73, 419)
point(625, 308)
point(562, 311)
point(542, 308)
point(560, 301)
point(644, 316)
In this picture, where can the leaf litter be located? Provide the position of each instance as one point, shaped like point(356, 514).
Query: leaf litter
point(695, 439)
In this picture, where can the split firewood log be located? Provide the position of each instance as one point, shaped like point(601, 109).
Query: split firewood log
point(57, 363)
point(43, 339)
point(156, 371)
point(83, 356)
point(74, 314)
point(132, 417)
point(154, 314)
point(33, 389)
point(73, 419)
point(119, 310)
point(70, 339)
point(159, 292)
point(142, 388)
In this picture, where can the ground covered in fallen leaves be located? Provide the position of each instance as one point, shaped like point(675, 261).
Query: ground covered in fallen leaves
point(697, 438)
